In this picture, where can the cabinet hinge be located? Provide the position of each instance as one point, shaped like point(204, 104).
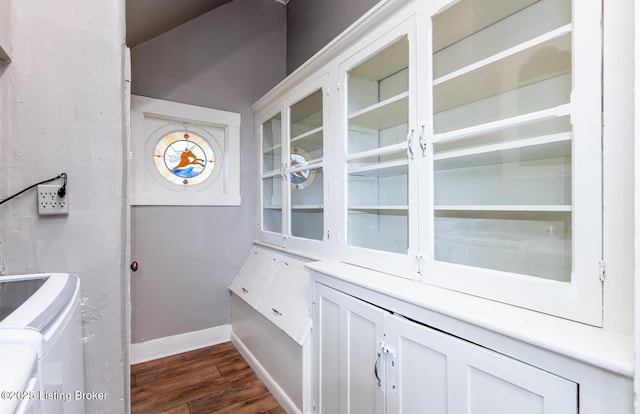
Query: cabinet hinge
point(328, 234)
point(337, 86)
point(601, 270)
point(328, 91)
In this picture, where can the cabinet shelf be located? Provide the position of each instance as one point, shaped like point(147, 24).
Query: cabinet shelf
point(544, 57)
point(549, 146)
point(471, 40)
point(311, 164)
point(519, 120)
point(307, 207)
point(505, 208)
point(387, 169)
point(273, 149)
point(390, 112)
point(312, 139)
point(385, 63)
point(379, 207)
point(530, 47)
point(377, 152)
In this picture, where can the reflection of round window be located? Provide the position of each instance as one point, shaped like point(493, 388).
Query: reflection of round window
point(301, 178)
point(184, 158)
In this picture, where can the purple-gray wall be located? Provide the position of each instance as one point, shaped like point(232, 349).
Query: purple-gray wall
point(225, 59)
point(311, 24)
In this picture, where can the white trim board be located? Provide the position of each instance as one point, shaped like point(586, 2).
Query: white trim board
point(176, 344)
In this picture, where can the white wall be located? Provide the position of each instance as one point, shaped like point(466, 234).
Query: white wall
point(5, 30)
point(61, 110)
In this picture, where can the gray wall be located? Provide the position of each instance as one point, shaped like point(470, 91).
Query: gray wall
point(311, 24)
point(225, 59)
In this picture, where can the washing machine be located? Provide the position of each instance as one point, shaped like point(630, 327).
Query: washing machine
point(19, 386)
point(42, 312)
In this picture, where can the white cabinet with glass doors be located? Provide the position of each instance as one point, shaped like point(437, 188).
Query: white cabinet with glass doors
point(473, 152)
point(292, 202)
point(466, 152)
point(512, 207)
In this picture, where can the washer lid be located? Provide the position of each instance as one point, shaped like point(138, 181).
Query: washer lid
point(38, 310)
point(19, 364)
point(14, 292)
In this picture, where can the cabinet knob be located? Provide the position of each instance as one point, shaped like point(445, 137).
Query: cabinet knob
point(134, 266)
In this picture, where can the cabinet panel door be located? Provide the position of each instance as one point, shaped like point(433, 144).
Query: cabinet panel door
point(270, 202)
point(306, 195)
point(380, 141)
point(285, 301)
point(417, 374)
point(502, 385)
point(348, 337)
point(254, 276)
point(437, 373)
point(512, 203)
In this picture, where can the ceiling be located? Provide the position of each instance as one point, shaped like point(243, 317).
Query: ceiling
point(147, 19)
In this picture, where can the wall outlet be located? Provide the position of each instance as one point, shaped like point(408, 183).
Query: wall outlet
point(50, 203)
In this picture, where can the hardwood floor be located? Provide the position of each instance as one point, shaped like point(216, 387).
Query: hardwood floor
point(215, 379)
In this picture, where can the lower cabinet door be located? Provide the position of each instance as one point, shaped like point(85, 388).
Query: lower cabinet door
point(433, 373)
point(369, 360)
point(349, 361)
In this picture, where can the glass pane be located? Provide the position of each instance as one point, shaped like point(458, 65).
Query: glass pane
point(307, 210)
point(377, 191)
point(378, 100)
point(307, 126)
point(272, 204)
point(272, 144)
point(525, 71)
point(503, 191)
point(530, 243)
point(506, 177)
point(471, 36)
point(378, 184)
point(378, 229)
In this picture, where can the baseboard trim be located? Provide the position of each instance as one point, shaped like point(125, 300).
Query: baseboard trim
point(176, 344)
point(278, 393)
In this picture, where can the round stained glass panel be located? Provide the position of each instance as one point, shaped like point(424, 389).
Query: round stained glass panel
point(184, 158)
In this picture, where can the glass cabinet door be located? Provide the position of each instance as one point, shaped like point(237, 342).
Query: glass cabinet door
point(379, 145)
point(512, 146)
point(306, 179)
point(271, 176)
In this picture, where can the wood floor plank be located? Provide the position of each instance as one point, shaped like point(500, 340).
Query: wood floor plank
point(227, 368)
point(178, 409)
point(227, 397)
point(209, 380)
point(187, 365)
point(256, 405)
point(185, 356)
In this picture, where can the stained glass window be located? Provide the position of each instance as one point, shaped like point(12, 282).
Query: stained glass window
point(184, 158)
